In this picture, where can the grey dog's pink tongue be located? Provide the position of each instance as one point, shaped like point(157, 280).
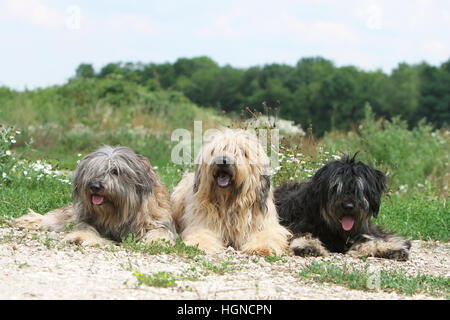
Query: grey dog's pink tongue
point(223, 180)
point(97, 199)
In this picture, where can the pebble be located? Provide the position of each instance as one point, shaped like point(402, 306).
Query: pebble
point(92, 272)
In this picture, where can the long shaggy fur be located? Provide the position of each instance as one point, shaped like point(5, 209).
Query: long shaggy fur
point(333, 210)
point(228, 200)
point(115, 192)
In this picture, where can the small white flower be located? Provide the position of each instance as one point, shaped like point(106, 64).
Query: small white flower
point(155, 167)
point(17, 132)
point(13, 141)
point(4, 175)
point(8, 153)
point(79, 155)
point(25, 172)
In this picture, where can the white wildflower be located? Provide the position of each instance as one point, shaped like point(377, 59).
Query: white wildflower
point(8, 153)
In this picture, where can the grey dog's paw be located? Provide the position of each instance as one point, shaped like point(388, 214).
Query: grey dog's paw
point(31, 221)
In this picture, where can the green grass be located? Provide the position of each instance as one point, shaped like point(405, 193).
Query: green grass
point(159, 279)
point(416, 216)
point(222, 267)
point(18, 196)
point(164, 279)
point(275, 258)
point(157, 247)
point(367, 280)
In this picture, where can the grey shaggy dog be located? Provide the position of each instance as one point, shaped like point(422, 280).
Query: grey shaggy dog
point(115, 193)
point(332, 212)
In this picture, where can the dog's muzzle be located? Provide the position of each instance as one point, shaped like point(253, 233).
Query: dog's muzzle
point(347, 220)
point(96, 198)
point(224, 172)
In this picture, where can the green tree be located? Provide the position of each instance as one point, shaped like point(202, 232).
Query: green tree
point(85, 70)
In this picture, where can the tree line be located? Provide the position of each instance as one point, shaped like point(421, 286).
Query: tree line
point(314, 92)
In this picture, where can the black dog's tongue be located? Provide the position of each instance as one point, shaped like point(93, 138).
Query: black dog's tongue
point(223, 180)
point(347, 223)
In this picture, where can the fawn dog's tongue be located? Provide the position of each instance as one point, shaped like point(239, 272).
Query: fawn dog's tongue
point(223, 180)
point(97, 199)
point(347, 223)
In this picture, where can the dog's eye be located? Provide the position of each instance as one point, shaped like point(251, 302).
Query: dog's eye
point(114, 172)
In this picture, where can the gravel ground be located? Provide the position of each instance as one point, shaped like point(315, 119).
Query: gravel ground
point(37, 265)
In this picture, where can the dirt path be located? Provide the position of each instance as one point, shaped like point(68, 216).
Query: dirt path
point(39, 266)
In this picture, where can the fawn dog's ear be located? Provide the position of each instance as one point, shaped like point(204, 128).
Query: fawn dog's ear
point(263, 193)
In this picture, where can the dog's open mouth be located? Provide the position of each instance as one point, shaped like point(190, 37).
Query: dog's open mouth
point(223, 180)
point(347, 223)
point(97, 199)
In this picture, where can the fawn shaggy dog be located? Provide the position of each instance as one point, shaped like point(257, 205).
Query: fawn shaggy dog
point(228, 200)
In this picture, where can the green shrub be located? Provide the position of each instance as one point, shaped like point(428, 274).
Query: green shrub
point(408, 157)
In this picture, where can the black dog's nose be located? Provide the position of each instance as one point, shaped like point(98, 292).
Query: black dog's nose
point(347, 206)
point(95, 187)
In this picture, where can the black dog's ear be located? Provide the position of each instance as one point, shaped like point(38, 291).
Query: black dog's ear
point(263, 193)
point(378, 185)
point(196, 178)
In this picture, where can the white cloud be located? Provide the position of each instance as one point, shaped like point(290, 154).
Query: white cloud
point(126, 22)
point(331, 32)
point(33, 12)
point(239, 23)
point(372, 15)
point(436, 49)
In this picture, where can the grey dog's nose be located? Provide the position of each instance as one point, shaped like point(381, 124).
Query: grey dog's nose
point(347, 206)
point(95, 187)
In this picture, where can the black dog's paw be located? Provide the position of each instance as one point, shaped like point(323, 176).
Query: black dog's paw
point(400, 254)
point(308, 251)
point(407, 244)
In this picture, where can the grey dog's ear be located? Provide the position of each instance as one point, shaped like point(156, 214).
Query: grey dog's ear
point(77, 177)
point(149, 172)
point(263, 193)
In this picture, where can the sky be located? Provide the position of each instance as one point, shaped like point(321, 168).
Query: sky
point(43, 41)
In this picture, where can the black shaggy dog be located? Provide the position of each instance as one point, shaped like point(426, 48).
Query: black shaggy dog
point(332, 211)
